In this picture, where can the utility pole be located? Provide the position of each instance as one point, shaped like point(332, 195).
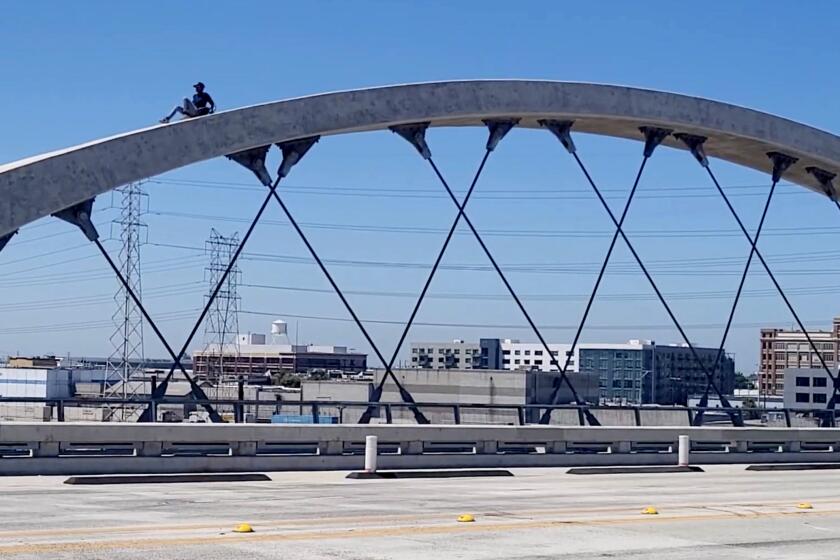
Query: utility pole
point(127, 356)
point(222, 327)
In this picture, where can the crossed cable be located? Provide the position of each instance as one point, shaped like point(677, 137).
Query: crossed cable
point(781, 162)
point(498, 128)
point(254, 159)
point(653, 137)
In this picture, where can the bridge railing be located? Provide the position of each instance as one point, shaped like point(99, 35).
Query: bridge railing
point(348, 412)
point(93, 447)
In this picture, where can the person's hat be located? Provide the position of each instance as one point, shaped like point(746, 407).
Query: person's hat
point(199, 84)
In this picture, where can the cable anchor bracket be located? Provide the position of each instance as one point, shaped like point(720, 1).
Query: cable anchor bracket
point(4, 239)
point(825, 179)
point(781, 163)
point(79, 216)
point(254, 160)
point(653, 137)
point(562, 130)
point(694, 143)
point(293, 152)
point(498, 130)
point(415, 134)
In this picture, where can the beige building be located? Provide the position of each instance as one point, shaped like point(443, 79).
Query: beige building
point(782, 349)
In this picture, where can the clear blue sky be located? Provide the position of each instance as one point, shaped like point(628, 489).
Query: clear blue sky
point(79, 71)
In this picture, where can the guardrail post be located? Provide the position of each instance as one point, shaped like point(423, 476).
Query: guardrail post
point(787, 418)
point(61, 411)
point(149, 448)
point(520, 413)
point(389, 417)
point(244, 448)
point(371, 443)
point(637, 415)
point(411, 447)
point(330, 448)
point(556, 447)
point(684, 446)
point(456, 413)
point(486, 447)
point(316, 416)
point(45, 449)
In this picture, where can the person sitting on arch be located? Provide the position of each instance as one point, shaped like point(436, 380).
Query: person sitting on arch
point(201, 104)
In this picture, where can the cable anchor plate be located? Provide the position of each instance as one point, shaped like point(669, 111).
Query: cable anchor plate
point(254, 159)
point(415, 134)
point(79, 216)
point(293, 152)
point(562, 130)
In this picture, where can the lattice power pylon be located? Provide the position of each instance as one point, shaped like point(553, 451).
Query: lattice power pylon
point(126, 359)
point(222, 326)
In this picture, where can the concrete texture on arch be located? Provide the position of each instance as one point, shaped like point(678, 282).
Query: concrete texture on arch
point(35, 187)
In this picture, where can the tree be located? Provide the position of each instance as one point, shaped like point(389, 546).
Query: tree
point(741, 381)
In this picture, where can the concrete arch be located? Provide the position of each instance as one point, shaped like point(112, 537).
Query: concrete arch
point(38, 186)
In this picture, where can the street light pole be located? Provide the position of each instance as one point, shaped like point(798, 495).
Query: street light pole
point(653, 376)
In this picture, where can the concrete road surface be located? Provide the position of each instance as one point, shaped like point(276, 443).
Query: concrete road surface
point(724, 513)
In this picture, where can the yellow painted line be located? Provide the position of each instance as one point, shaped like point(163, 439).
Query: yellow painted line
point(79, 546)
point(361, 517)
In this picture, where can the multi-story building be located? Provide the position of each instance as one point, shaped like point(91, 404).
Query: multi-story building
point(782, 349)
point(456, 354)
point(532, 356)
point(488, 353)
point(632, 372)
point(646, 372)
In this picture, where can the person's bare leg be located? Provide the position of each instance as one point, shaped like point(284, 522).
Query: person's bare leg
point(186, 108)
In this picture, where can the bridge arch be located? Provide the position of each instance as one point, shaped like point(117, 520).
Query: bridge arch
point(38, 186)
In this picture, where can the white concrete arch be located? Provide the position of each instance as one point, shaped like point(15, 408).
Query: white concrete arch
point(39, 186)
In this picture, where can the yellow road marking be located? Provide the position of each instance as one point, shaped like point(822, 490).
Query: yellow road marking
point(364, 517)
point(41, 548)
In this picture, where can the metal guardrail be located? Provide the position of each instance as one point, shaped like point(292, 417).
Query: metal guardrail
point(348, 412)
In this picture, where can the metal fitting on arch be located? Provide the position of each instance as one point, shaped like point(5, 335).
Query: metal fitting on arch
point(415, 134)
point(825, 179)
point(694, 143)
point(653, 137)
point(254, 159)
point(781, 163)
point(4, 240)
point(79, 216)
point(293, 152)
point(562, 130)
point(498, 130)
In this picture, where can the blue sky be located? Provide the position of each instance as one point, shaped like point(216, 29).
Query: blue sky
point(79, 71)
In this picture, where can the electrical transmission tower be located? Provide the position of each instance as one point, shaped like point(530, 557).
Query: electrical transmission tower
point(126, 359)
point(222, 326)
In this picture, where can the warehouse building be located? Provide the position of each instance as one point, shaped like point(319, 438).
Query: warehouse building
point(256, 359)
point(452, 386)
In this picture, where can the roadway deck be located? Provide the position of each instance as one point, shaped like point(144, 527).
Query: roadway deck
point(724, 513)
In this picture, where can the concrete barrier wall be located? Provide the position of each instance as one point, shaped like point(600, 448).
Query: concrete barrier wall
point(88, 448)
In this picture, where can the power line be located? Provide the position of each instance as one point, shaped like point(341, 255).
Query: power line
point(649, 326)
point(512, 192)
point(700, 295)
point(515, 233)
